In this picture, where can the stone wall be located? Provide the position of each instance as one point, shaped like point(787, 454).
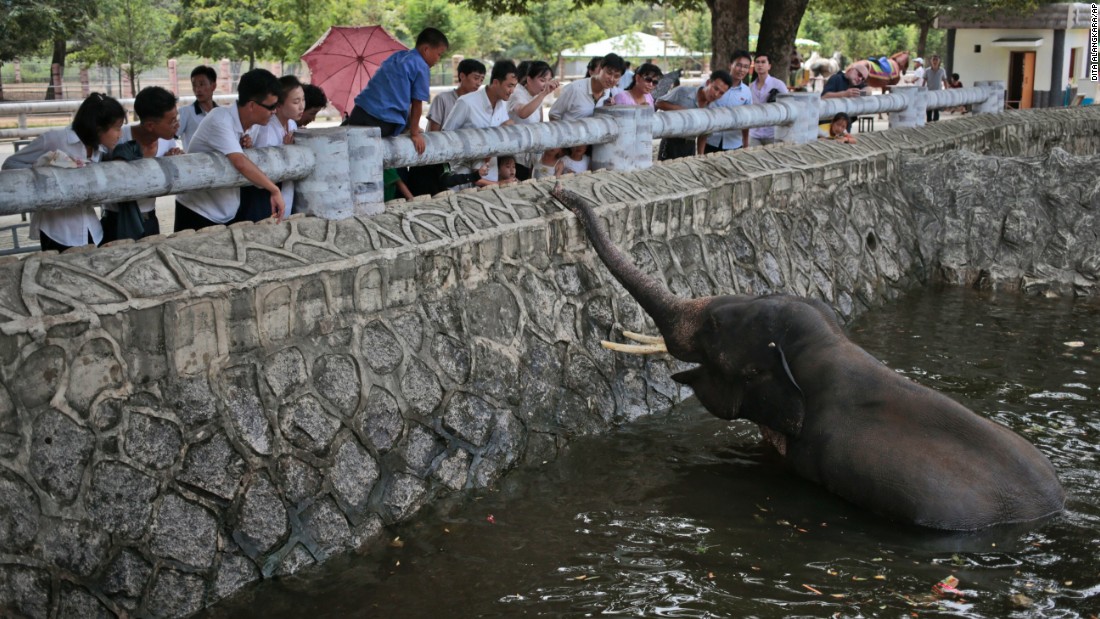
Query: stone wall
point(182, 417)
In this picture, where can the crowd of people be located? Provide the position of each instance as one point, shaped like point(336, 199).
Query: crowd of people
point(270, 109)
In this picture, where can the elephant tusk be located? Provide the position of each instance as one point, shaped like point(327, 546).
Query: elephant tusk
point(636, 349)
point(645, 339)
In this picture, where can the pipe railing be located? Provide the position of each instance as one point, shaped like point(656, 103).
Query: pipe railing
point(339, 169)
point(21, 109)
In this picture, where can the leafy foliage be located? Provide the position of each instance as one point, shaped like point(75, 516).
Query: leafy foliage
point(22, 23)
point(128, 32)
point(232, 28)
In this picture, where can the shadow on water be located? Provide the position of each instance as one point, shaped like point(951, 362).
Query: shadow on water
point(685, 515)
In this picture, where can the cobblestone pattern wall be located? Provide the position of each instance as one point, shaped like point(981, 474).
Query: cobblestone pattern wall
point(182, 417)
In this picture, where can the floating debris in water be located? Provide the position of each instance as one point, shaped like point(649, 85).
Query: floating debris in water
point(1057, 395)
point(947, 586)
point(1075, 344)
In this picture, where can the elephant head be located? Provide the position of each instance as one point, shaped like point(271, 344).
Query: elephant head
point(838, 415)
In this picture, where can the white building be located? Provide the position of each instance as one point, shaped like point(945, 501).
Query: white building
point(637, 47)
point(1043, 58)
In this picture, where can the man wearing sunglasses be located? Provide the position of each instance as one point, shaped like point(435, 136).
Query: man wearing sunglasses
point(220, 132)
point(847, 83)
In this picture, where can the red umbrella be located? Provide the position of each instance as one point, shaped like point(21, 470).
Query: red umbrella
point(344, 59)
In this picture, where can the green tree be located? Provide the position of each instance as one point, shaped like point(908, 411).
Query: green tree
point(232, 28)
point(556, 25)
point(873, 14)
point(129, 32)
point(22, 23)
point(691, 29)
point(68, 19)
point(778, 29)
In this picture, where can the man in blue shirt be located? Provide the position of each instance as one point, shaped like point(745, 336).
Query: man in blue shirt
point(394, 97)
point(738, 94)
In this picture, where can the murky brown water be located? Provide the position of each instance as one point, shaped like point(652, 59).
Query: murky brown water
point(684, 515)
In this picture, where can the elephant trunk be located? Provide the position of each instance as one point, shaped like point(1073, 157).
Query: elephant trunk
point(672, 314)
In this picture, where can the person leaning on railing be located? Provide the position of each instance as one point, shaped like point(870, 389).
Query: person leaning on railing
point(96, 129)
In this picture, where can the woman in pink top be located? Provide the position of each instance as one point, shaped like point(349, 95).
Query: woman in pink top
point(640, 89)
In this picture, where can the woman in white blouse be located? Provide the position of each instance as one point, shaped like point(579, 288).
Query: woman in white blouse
point(96, 129)
point(525, 106)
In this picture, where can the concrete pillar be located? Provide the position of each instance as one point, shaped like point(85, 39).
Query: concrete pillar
point(348, 178)
point(173, 77)
point(127, 85)
point(55, 77)
point(995, 99)
point(913, 114)
point(85, 83)
point(632, 148)
point(457, 58)
point(18, 71)
point(224, 84)
point(805, 110)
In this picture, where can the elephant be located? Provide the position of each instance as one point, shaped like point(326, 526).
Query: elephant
point(835, 414)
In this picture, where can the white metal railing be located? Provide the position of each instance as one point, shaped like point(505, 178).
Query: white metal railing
point(339, 169)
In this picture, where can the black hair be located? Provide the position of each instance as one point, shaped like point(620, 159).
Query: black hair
point(471, 65)
point(153, 102)
point(502, 158)
point(315, 97)
point(955, 76)
point(432, 38)
point(209, 72)
point(256, 85)
point(287, 84)
point(614, 62)
point(521, 70)
point(501, 70)
point(741, 53)
point(536, 68)
point(594, 65)
point(97, 114)
point(723, 75)
point(647, 68)
point(842, 116)
point(763, 53)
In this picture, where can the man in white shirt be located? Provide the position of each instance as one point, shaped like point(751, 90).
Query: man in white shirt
point(580, 99)
point(765, 89)
point(204, 80)
point(221, 132)
point(738, 94)
point(481, 109)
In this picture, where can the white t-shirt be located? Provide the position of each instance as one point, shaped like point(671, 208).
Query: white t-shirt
point(190, 118)
point(574, 166)
point(68, 226)
point(220, 132)
point(272, 134)
point(521, 97)
point(577, 101)
point(473, 111)
point(441, 106)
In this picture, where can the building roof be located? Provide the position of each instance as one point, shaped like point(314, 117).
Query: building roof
point(632, 45)
point(1061, 16)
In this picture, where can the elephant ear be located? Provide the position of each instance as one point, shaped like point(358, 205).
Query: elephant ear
point(775, 399)
point(721, 397)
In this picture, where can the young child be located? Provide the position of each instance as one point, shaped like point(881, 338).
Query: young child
point(394, 97)
point(838, 129)
point(393, 186)
point(279, 130)
point(506, 170)
point(550, 164)
point(315, 102)
point(204, 80)
point(96, 129)
point(577, 160)
point(153, 136)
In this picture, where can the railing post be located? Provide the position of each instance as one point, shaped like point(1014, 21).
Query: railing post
point(913, 114)
point(173, 77)
point(632, 148)
point(347, 180)
point(995, 97)
point(805, 111)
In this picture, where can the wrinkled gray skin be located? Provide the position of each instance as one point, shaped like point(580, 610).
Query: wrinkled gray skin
point(838, 415)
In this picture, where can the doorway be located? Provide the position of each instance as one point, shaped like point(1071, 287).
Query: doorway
point(1021, 79)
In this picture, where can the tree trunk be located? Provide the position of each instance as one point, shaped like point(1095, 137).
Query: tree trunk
point(729, 27)
point(922, 42)
point(1, 84)
point(58, 58)
point(778, 30)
